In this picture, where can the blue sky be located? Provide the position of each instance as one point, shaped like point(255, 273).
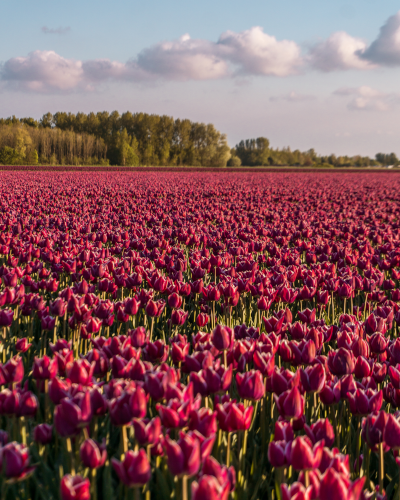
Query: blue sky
point(314, 73)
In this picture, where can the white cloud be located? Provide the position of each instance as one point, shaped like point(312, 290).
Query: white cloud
point(184, 59)
point(247, 53)
point(293, 97)
point(43, 70)
point(385, 50)
point(254, 52)
point(58, 31)
point(237, 55)
point(340, 51)
point(365, 98)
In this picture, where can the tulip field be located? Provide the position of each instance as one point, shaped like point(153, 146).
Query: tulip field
point(202, 335)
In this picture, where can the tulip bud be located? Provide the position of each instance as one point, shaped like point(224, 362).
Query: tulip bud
point(43, 433)
point(134, 470)
point(93, 455)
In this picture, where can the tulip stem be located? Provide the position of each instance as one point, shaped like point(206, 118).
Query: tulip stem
point(278, 482)
point(367, 460)
point(358, 444)
point(228, 449)
point(243, 452)
point(151, 328)
point(71, 455)
point(124, 442)
point(381, 467)
point(184, 488)
point(307, 478)
point(93, 483)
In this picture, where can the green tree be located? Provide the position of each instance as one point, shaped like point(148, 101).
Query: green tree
point(9, 156)
point(234, 160)
point(47, 120)
point(32, 158)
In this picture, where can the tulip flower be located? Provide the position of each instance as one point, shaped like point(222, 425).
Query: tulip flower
point(22, 345)
point(250, 385)
point(204, 421)
point(233, 417)
point(313, 378)
point(6, 317)
point(212, 467)
point(92, 454)
point(321, 430)
point(222, 338)
point(174, 301)
point(341, 362)
point(134, 470)
point(44, 368)
point(147, 432)
point(75, 488)
point(81, 372)
point(72, 414)
point(333, 485)
point(219, 379)
point(202, 320)
point(364, 402)
point(283, 380)
point(290, 404)
point(183, 455)
point(14, 462)
point(43, 433)
point(302, 454)
point(209, 487)
point(264, 362)
point(13, 370)
point(277, 454)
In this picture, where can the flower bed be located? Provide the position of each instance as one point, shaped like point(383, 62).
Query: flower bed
point(207, 335)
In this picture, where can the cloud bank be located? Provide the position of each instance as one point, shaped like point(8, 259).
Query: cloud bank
point(234, 55)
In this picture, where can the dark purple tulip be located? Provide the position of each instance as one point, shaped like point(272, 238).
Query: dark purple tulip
point(14, 462)
point(302, 454)
point(92, 454)
point(222, 338)
point(313, 378)
point(43, 433)
point(364, 402)
point(321, 430)
point(277, 454)
point(290, 404)
point(6, 317)
point(208, 487)
point(250, 385)
point(183, 455)
point(341, 362)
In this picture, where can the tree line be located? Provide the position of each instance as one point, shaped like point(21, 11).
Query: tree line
point(257, 152)
point(133, 139)
point(128, 139)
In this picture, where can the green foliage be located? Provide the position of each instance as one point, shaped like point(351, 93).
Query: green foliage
point(387, 159)
point(32, 158)
point(133, 139)
point(254, 152)
point(155, 140)
point(9, 156)
point(48, 145)
point(234, 160)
